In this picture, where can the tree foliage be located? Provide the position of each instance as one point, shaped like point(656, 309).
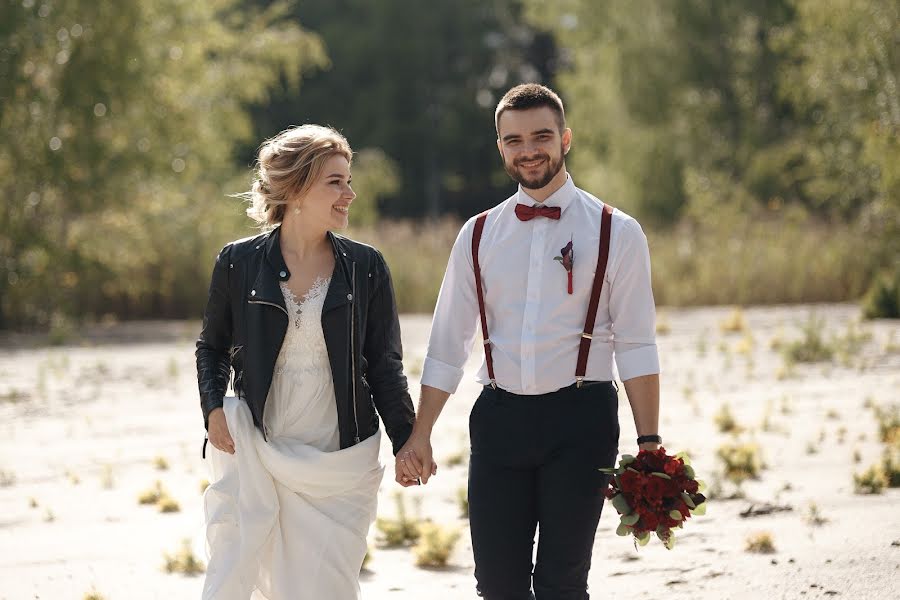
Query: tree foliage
point(118, 123)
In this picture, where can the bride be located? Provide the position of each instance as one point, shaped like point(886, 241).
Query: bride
point(307, 321)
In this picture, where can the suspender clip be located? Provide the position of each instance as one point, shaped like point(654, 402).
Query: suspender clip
point(579, 381)
point(587, 336)
point(494, 384)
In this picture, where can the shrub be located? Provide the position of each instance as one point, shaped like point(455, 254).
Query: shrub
point(760, 543)
point(435, 545)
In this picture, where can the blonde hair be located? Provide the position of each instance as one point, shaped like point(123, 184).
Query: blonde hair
point(287, 166)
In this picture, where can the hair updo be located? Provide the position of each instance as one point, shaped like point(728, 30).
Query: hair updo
point(288, 165)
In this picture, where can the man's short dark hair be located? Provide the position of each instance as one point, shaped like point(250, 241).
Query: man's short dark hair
point(530, 95)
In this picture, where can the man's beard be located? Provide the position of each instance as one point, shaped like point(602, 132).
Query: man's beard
point(551, 168)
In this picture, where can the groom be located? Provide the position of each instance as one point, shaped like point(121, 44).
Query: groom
point(560, 285)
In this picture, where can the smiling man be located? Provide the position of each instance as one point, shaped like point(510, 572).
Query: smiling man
point(560, 283)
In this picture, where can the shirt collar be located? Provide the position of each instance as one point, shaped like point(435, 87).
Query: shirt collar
point(561, 197)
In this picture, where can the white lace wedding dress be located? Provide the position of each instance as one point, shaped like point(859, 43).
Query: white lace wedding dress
point(288, 518)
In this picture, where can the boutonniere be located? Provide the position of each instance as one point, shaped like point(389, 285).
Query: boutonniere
point(567, 260)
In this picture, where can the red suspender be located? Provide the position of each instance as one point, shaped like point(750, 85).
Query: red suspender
point(586, 336)
point(476, 241)
point(585, 345)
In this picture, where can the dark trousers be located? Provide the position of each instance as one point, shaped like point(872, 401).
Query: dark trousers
point(534, 464)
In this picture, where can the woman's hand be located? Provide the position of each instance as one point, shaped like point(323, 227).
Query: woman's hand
point(217, 432)
point(414, 464)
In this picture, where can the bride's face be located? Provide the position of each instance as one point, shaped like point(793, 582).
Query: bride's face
point(327, 203)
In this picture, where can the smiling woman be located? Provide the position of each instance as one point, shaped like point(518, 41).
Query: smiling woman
point(308, 322)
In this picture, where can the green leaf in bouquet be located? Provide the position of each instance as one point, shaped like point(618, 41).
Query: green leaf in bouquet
point(675, 515)
point(701, 485)
point(626, 459)
point(689, 471)
point(623, 530)
point(684, 457)
point(643, 539)
point(609, 470)
point(700, 510)
point(621, 504)
point(630, 519)
point(663, 475)
point(669, 541)
point(687, 500)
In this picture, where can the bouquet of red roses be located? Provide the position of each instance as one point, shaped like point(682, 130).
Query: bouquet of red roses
point(654, 492)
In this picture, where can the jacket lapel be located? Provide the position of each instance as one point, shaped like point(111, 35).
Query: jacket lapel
point(339, 290)
point(265, 287)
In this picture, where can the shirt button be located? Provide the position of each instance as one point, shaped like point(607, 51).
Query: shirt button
point(283, 274)
point(252, 292)
point(349, 296)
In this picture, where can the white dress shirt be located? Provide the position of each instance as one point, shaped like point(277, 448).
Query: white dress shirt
point(533, 322)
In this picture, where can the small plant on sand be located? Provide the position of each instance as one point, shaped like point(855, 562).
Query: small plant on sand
point(455, 459)
point(462, 500)
point(399, 531)
point(734, 322)
point(183, 561)
point(871, 481)
point(435, 545)
point(740, 462)
point(857, 456)
point(760, 543)
point(49, 516)
point(890, 465)
point(161, 463)
point(725, 421)
point(745, 345)
point(93, 595)
point(812, 347)
point(888, 423)
point(152, 495)
point(841, 434)
point(168, 504)
point(7, 478)
point(32, 502)
point(813, 515)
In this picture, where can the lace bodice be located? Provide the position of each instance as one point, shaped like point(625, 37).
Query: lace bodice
point(304, 348)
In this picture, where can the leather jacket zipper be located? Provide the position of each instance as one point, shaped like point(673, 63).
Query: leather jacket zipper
point(270, 304)
point(353, 346)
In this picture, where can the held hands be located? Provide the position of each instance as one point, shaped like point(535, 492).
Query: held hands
point(217, 431)
point(414, 464)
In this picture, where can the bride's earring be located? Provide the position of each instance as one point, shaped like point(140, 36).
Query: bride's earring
point(297, 210)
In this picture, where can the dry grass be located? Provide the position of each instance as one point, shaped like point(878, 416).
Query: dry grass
point(402, 530)
point(183, 561)
point(760, 543)
point(435, 545)
point(740, 461)
point(871, 481)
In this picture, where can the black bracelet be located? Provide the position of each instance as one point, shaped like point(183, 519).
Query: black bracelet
point(644, 439)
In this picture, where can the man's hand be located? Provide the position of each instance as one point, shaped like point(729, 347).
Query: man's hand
point(217, 431)
point(414, 461)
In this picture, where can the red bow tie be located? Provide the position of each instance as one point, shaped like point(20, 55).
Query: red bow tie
point(527, 213)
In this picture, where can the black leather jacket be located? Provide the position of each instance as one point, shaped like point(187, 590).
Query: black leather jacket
point(246, 319)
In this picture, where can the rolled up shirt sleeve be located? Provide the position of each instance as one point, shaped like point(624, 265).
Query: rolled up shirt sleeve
point(455, 318)
point(631, 306)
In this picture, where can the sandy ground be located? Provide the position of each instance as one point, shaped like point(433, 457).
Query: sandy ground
point(82, 427)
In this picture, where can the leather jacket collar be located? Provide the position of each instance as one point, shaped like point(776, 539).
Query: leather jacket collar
point(274, 270)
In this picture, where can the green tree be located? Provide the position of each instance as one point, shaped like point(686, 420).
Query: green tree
point(418, 80)
point(118, 125)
